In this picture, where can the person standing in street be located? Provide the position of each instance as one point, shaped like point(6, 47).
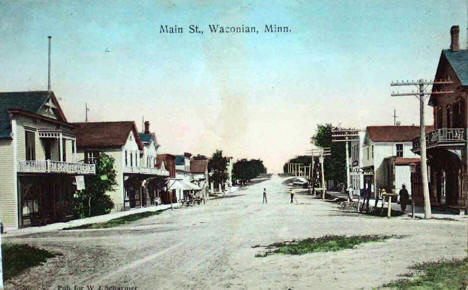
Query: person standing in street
point(404, 197)
point(292, 196)
point(264, 196)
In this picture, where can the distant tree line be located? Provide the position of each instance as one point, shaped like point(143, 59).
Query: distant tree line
point(245, 170)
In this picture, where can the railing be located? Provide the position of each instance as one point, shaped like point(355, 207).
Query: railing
point(146, 170)
point(49, 166)
point(442, 136)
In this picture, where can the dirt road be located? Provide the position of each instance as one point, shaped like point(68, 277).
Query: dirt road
point(210, 247)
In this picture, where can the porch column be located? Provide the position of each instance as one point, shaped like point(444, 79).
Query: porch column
point(74, 150)
point(60, 147)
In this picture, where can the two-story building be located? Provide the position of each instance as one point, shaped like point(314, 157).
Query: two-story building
point(153, 176)
point(447, 145)
point(135, 161)
point(199, 171)
point(386, 157)
point(167, 161)
point(38, 160)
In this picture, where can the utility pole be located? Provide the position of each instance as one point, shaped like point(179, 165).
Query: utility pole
point(394, 117)
point(421, 93)
point(321, 153)
point(86, 112)
point(347, 136)
point(48, 69)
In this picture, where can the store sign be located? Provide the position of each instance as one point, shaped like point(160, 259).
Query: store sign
point(80, 183)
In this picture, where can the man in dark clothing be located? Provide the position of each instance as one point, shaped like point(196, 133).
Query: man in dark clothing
point(264, 196)
point(292, 195)
point(404, 197)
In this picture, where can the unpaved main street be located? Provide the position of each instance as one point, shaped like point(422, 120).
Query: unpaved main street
point(210, 246)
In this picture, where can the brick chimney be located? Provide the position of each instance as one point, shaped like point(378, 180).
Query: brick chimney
point(454, 32)
point(147, 124)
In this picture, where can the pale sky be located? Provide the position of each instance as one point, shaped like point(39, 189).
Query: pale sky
point(252, 95)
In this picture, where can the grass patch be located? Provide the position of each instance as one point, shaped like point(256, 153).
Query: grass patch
point(322, 244)
point(118, 221)
point(379, 213)
point(17, 258)
point(452, 274)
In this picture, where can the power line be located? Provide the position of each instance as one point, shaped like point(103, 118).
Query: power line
point(421, 94)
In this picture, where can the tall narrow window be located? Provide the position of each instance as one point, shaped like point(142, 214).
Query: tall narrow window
point(131, 159)
point(439, 118)
point(30, 145)
point(126, 158)
point(64, 150)
point(399, 150)
point(372, 151)
point(449, 117)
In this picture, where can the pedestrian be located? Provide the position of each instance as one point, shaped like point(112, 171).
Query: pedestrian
point(404, 197)
point(264, 196)
point(292, 195)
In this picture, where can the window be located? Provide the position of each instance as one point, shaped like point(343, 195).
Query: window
point(64, 150)
point(367, 153)
point(439, 118)
point(126, 158)
point(73, 146)
point(399, 150)
point(131, 159)
point(449, 117)
point(372, 151)
point(91, 157)
point(30, 145)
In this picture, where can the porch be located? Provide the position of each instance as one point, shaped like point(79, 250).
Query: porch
point(49, 166)
point(143, 190)
point(444, 137)
point(45, 199)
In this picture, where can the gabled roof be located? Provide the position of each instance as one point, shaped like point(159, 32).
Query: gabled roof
point(29, 102)
point(458, 60)
point(394, 133)
point(198, 166)
point(105, 134)
point(179, 160)
point(146, 138)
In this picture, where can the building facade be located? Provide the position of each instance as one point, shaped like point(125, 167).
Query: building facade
point(134, 160)
point(38, 160)
point(447, 145)
point(386, 157)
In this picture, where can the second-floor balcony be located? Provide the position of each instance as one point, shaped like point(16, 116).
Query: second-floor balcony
point(146, 170)
point(49, 166)
point(442, 137)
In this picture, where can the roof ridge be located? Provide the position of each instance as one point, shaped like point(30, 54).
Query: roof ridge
point(17, 92)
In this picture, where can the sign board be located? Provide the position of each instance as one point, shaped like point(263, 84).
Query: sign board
point(80, 183)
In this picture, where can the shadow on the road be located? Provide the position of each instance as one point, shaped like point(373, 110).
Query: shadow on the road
point(228, 196)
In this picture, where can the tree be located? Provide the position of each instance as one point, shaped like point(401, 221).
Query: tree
point(335, 165)
point(217, 166)
point(245, 170)
point(93, 200)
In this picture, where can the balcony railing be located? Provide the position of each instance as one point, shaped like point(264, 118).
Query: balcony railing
point(146, 170)
point(49, 166)
point(442, 136)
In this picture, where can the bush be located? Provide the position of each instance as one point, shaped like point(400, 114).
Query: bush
point(94, 200)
